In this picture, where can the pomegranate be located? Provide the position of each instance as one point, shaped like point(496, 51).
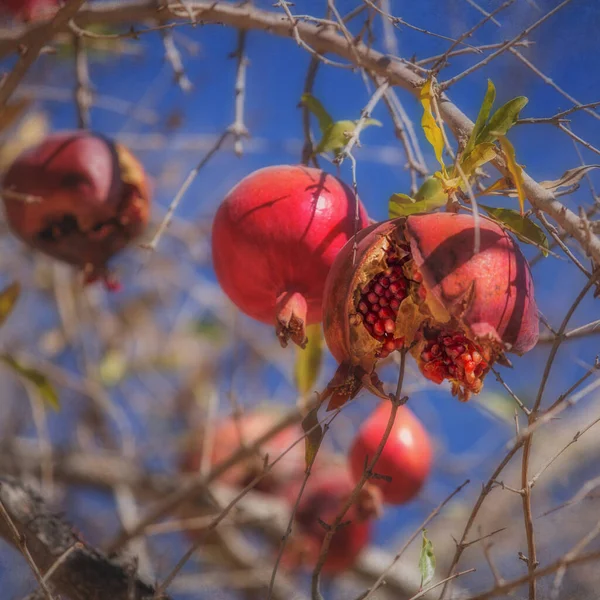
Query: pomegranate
point(77, 197)
point(417, 284)
point(406, 456)
point(325, 495)
point(229, 435)
point(30, 10)
point(275, 237)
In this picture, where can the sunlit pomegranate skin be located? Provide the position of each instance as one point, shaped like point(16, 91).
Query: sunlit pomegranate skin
point(405, 458)
point(274, 238)
point(229, 435)
point(325, 495)
point(77, 197)
point(30, 10)
point(417, 284)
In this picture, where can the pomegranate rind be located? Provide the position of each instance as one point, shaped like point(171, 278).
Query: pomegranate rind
point(490, 293)
point(279, 230)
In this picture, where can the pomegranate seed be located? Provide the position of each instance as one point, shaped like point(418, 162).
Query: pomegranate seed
point(399, 342)
point(386, 313)
point(372, 297)
point(385, 282)
point(375, 308)
point(364, 309)
point(435, 350)
point(389, 327)
point(371, 318)
point(470, 366)
point(383, 301)
point(389, 346)
point(477, 358)
point(378, 328)
point(394, 304)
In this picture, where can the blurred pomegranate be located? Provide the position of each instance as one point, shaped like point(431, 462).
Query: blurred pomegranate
point(30, 10)
point(406, 456)
point(417, 284)
point(77, 197)
point(274, 239)
point(227, 437)
point(324, 496)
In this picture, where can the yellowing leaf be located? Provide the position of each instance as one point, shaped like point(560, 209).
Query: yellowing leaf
point(482, 117)
point(32, 129)
point(515, 169)
point(317, 109)
point(426, 561)
point(308, 361)
point(8, 298)
point(498, 188)
point(36, 378)
point(113, 367)
point(432, 130)
point(478, 156)
point(12, 112)
point(314, 436)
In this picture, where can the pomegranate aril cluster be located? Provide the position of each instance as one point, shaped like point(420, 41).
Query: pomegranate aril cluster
point(453, 356)
point(379, 304)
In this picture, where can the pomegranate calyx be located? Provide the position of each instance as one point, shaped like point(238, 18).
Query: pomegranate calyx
point(291, 309)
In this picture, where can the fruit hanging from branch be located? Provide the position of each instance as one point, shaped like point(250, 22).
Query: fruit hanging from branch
point(418, 284)
point(274, 239)
point(405, 461)
point(79, 198)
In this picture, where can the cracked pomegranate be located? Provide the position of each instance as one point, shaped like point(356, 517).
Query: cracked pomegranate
point(405, 461)
point(417, 283)
point(325, 494)
point(79, 198)
point(275, 237)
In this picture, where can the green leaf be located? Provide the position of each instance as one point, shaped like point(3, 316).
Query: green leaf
point(515, 169)
point(430, 196)
point(432, 130)
point(8, 299)
point(482, 117)
point(314, 436)
point(36, 378)
point(478, 156)
point(523, 227)
point(502, 120)
point(426, 561)
point(317, 109)
point(500, 406)
point(308, 361)
point(113, 367)
point(336, 136)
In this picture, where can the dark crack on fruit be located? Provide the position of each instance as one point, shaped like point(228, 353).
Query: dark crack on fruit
point(453, 356)
point(379, 303)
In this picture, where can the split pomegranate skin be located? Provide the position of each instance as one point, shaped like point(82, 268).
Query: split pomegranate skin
point(77, 197)
point(274, 239)
point(417, 283)
point(405, 460)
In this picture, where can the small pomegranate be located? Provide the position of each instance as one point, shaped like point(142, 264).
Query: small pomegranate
point(418, 284)
point(229, 435)
point(325, 495)
point(30, 10)
point(406, 456)
point(275, 237)
point(77, 197)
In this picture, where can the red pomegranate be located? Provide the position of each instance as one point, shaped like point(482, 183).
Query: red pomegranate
point(30, 10)
point(325, 495)
point(229, 435)
point(417, 283)
point(275, 237)
point(77, 197)
point(406, 456)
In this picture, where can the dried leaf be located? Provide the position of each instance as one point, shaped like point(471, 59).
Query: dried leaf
point(36, 378)
point(523, 227)
point(308, 361)
point(317, 109)
point(8, 299)
point(502, 120)
point(571, 178)
point(432, 130)
point(314, 436)
point(426, 561)
point(482, 117)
